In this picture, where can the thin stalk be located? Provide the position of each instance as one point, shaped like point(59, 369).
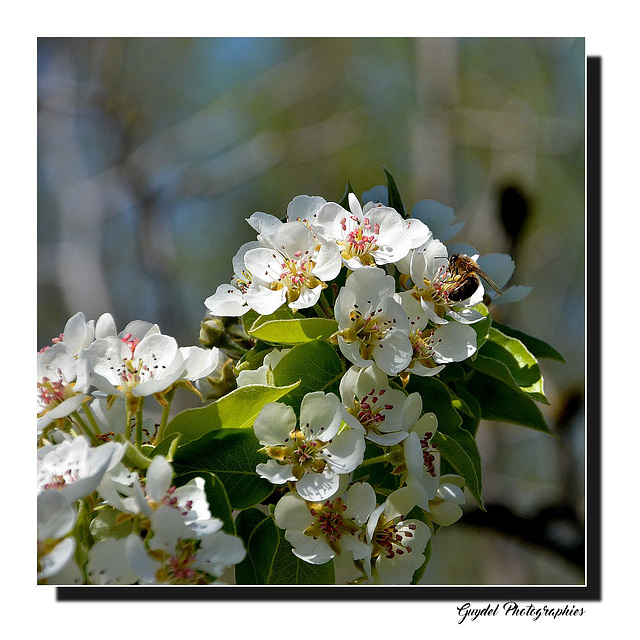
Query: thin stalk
point(85, 428)
point(139, 424)
point(92, 419)
point(385, 457)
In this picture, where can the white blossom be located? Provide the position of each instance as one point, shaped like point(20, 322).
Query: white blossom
point(372, 326)
point(377, 236)
point(313, 455)
point(318, 531)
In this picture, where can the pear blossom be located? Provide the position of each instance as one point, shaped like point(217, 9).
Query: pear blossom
point(433, 348)
point(122, 489)
point(146, 367)
point(432, 285)
point(58, 392)
point(397, 543)
point(372, 326)
point(377, 236)
point(316, 453)
point(55, 520)
point(385, 413)
point(74, 468)
point(422, 459)
point(294, 270)
point(229, 299)
point(318, 531)
point(172, 554)
point(301, 209)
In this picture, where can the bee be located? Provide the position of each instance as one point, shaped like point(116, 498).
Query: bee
point(463, 280)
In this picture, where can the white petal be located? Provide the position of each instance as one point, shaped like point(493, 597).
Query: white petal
point(227, 301)
point(305, 208)
point(315, 487)
point(292, 512)
point(139, 560)
point(346, 451)
point(393, 353)
point(306, 548)
point(274, 424)
point(275, 473)
point(498, 266)
point(108, 563)
point(158, 478)
point(320, 415)
point(360, 501)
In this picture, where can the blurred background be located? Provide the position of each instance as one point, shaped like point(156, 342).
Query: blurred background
point(152, 152)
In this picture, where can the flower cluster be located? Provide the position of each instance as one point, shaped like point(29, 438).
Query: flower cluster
point(392, 292)
point(342, 373)
point(108, 513)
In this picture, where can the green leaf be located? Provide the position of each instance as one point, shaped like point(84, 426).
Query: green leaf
point(436, 397)
point(293, 330)
point(246, 522)
point(507, 359)
point(232, 455)
point(537, 347)
point(395, 201)
point(274, 562)
point(216, 497)
point(344, 201)
point(236, 410)
point(459, 449)
point(315, 365)
point(500, 402)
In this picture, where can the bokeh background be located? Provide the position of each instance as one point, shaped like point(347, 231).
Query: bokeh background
point(152, 152)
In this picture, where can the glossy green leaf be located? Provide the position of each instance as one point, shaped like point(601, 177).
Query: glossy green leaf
point(315, 365)
point(246, 522)
point(395, 201)
point(507, 359)
point(216, 496)
point(232, 455)
point(502, 403)
point(437, 398)
point(539, 348)
point(236, 410)
point(274, 562)
point(459, 449)
point(293, 330)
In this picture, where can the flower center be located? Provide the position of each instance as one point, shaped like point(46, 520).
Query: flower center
point(436, 291)
point(176, 567)
point(242, 281)
point(423, 344)
point(170, 500)
point(52, 392)
point(330, 522)
point(297, 272)
point(427, 454)
point(369, 410)
point(130, 373)
point(389, 541)
point(361, 242)
point(369, 330)
point(301, 452)
point(59, 480)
